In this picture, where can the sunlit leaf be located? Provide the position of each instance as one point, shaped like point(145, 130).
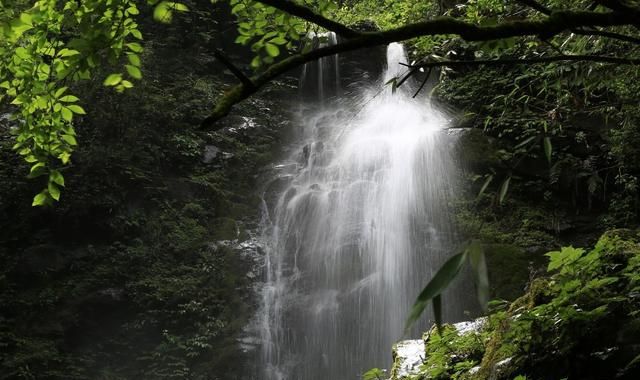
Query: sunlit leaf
point(113, 80)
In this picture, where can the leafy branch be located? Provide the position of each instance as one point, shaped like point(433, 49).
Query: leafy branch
point(553, 24)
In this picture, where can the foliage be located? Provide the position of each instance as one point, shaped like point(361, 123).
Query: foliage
point(40, 58)
point(121, 280)
point(566, 325)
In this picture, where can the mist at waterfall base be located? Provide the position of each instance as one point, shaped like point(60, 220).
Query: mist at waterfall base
point(357, 230)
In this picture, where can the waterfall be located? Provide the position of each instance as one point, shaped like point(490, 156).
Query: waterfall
point(360, 225)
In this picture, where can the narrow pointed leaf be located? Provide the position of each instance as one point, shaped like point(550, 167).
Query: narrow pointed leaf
point(437, 285)
point(548, 148)
point(504, 189)
point(486, 184)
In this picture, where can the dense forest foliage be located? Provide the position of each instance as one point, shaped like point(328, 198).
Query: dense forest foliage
point(134, 134)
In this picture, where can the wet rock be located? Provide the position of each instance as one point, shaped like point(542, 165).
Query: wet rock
point(408, 356)
point(210, 153)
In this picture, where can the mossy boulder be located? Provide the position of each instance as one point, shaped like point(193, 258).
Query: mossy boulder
point(510, 268)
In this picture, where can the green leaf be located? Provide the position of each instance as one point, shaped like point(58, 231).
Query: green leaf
point(134, 71)
point(40, 199)
point(436, 286)
point(69, 139)
point(256, 62)
point(179, 7)
point(504, 188)
point(67, 52)
point(272, 50)
point(113, 80)
point(373, 374)
point(56, 177)
point(280, 40)
point(135, 47)
point(134, 59)
point(547, 148)
point(54, 191)
point(64, 157)
point(66, 114)
point(136, 33)
point(76, 109)
point(162, 12)
point(69, 99)
point(60, 91)
point(485, 185)
point(525, 142)
point(37, 170)
point(566, 255)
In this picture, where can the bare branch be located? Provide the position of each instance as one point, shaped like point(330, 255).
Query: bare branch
point(308, 14)
point(528, 61)
point(554, 24)
point(220, 56)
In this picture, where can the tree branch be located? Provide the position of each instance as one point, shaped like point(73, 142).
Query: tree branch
point(554, 24)
point(619, 6)
point(509, 61)
point(521, 61)
point(220, 56)
point(595, 32)
point(308, 14)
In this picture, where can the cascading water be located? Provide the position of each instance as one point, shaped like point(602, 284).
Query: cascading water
point(356, 233)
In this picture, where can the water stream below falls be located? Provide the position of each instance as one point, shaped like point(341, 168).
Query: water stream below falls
point(360, 226)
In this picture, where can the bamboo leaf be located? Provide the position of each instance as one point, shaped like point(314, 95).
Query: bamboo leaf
point(548, 149)
point(504, 188)
point(485, 185)
point(525, 142)
point(436, 286)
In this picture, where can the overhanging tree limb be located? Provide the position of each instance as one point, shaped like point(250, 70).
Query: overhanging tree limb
point(520, 61)
point(220, 56)
point(533, 4)
point(311, 16)
point(554, 24)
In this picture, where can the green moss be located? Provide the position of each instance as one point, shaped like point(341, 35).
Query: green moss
point(509, 269)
